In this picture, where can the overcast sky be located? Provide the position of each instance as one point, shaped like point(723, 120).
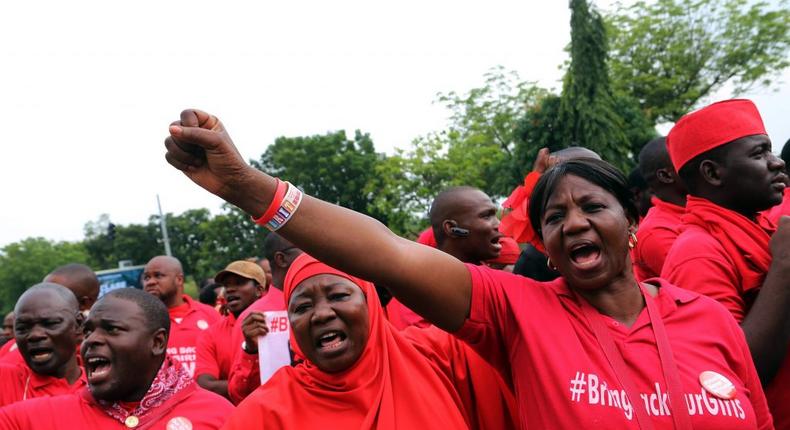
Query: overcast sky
point(87, 89)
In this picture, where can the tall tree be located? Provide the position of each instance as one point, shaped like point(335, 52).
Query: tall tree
point(671, 54)
point(25, 263)
point(587, 113)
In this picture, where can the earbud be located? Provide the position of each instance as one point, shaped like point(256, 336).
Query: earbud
point(459, 232)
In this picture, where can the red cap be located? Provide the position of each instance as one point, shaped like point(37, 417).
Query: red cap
point(712, 126)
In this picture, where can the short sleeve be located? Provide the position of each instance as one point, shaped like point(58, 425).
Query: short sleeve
point(207, 355)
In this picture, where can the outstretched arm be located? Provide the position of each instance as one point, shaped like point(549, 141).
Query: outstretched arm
point(432, 283)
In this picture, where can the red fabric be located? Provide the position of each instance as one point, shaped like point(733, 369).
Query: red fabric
point(244, 376)
point(427, 238)
point(536, 333)
point(392, 385)
point(401, 317)
point(186, 324)
point(9, 354)
point(710, 258)
point(509, 253)
point(655, 236)
point(215, 350)
point(19, 382)
point(712, 126)
point(775, 212)
point(194, 405)
point(515, 223)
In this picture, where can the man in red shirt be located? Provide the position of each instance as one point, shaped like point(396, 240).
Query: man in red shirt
point(659, 228)
point(48, 329)
point(163, 277)
point(131, 381)
point(245, 372)
point(727, 249)
point(244, 282)
point(82, 282)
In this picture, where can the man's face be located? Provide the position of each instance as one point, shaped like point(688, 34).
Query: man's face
point(240, 292)
point(118, 346)
point(753, 176)
point(8, 326)
point(477, 213)
point(47, 332)
point(162, 280)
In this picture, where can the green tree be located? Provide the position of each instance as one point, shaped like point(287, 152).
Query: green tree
point(587, 109)
point(25, 263)
point(136, 242)
point(671, 54)
point(227, 237)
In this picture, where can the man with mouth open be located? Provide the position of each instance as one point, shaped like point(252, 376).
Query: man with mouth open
point(48, 329)
point(244, 282)
point(163, 277)
point(131, 381)
point(727, 249)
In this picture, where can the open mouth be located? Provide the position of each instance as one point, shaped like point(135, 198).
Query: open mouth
point(40, 355)
point(585, 254)
point(97, 369)
point(495, 243)
point(232, 299)
point(331, 341)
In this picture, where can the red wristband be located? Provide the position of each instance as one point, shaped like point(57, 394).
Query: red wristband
point(279, 193)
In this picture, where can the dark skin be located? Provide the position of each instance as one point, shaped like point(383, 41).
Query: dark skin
point(117, 332)
point(81, 281)
point(474, 211)
point(164, 278)
point(8, 326)
point(241, 293)
point(434, 284)
point(750, 179)
point(47, 330)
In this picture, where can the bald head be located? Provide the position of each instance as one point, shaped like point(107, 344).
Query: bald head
point(657, 169)
point(163, 277)
point(50, 295)
point(465, 224)
point(166, 261)
point(574, 152)
point(80, 279)
point(450, 203)
point(280, 253)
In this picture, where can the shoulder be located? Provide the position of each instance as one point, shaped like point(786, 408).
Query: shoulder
point(690, 302)
point(694, 243)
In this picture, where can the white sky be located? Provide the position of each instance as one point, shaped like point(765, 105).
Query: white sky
point(87, 88)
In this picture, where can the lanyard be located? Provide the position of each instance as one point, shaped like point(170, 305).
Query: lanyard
point(680, 416)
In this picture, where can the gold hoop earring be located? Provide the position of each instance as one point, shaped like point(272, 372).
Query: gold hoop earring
point(632, 240)
point(549, 265)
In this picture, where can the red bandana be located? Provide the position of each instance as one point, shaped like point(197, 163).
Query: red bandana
point(171, 379)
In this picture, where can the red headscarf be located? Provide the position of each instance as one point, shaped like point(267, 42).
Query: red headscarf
point(391, 386)
point(746, 241)
point(712, 126)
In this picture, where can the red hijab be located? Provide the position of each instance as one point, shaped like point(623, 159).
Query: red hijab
point(391, 386)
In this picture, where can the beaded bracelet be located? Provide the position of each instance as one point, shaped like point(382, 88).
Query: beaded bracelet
point(279, 193)
point(290, 203)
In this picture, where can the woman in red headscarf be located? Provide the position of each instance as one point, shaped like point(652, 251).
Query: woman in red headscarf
point(358, 373)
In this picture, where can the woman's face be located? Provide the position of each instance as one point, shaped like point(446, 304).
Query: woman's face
point(329, 317)
point(585, 231)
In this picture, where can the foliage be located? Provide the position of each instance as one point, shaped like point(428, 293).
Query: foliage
point(671, 54)
point(25, 263)
point(587, 114)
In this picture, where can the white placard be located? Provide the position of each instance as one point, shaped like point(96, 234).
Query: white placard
point(273, 350)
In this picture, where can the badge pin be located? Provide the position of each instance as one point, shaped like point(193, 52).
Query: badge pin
point(179, 423)
point(717, 385)
point(131, 421)
point(202, 324)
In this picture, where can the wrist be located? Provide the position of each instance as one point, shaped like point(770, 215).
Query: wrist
point(252, 191)
point(249, 347)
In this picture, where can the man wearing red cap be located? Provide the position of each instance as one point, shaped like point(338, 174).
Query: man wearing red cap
point(727, 249)
point(244, 282)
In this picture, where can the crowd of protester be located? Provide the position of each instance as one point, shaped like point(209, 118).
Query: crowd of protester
point(655, 300)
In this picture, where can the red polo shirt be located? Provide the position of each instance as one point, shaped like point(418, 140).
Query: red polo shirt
point(192, 408)
point(537, 333)
point(187, 322)
point(244, 375)
point(655, 236)
point(215, 353)
point(9, 353)
point(19, 382)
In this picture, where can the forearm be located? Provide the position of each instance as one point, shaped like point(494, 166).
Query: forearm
point(210, 383)
point(767, 325)
point(434, 284)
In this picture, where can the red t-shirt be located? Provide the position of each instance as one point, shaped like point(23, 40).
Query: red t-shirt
point(187, 322)
point(194, 408)
point(215, 353)
point(9, 353)
point(537, 333)
point(783, 208)
point(244, 375)
point(19, 382)
point(655, 236)
point(698, 262)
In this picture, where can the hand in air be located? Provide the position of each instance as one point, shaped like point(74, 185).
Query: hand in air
point(200, 147)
